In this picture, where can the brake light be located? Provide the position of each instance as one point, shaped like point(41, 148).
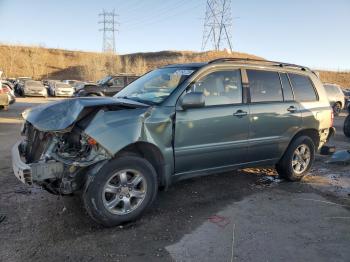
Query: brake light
point(332, 118)
point(6, 89)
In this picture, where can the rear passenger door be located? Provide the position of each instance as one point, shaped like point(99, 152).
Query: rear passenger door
point(274, 115)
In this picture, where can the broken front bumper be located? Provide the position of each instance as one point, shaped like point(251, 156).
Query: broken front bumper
point(34, 172)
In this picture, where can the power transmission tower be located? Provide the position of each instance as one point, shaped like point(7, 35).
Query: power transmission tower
point(217, 25)
point(109, 27)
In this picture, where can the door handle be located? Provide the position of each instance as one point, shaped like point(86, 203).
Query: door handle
point(240, 113)
point(292, 109)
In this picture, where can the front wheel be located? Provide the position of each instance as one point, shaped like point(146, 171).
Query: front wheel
point(298, 159)
point(121, 191)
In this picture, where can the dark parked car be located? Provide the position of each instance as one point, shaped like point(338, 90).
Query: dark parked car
point(173, 123)
point(108, 86)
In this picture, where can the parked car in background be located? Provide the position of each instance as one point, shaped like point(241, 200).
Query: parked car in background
point(336, 97)
point(70, 82)
point(34, 88)
point(10, 91)
point(347, 97)
point(78, 85)
point(19, 84)
point(108, 86)
point(173, 123)
point(60, 89)
point(4, 98)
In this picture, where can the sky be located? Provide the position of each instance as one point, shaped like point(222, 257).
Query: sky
point(314, 33)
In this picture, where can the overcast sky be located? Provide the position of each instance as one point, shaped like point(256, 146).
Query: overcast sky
point(312, 33)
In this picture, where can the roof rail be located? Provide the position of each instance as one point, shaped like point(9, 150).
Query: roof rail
point(273, 63)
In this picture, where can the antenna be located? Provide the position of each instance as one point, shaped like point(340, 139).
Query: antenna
point(217, 25)
point(109, 27)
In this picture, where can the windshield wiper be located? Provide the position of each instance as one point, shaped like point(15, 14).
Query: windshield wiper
point(147, 102)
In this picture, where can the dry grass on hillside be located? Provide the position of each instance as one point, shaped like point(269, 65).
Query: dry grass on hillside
point(340, 78)
point(39, 63)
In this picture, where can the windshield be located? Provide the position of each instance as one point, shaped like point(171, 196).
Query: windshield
point(62, 85)
point(34, 83)
point(155, 86)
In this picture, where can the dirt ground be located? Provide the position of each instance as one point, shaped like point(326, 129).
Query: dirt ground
point(246, 215)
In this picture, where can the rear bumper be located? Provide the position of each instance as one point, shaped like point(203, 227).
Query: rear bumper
point(34, 172)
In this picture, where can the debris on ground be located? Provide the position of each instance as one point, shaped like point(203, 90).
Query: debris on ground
point(340, 157)
point(267, 180)
point(220, 221)
point(2, 218)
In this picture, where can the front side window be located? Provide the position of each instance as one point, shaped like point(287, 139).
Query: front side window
point(265, 86)
point(303, 88)
point(155, 86)
point(220, 87)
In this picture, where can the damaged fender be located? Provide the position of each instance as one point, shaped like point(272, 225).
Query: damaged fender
point(115, 130)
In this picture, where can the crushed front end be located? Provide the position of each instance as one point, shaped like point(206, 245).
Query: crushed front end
point(57, 161)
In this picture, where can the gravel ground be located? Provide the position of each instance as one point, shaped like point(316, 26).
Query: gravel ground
point(246, 215)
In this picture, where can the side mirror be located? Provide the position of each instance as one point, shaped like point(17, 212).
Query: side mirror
point(193, 100)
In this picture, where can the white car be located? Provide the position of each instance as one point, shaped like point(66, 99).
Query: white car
point(336, 97)
point(34, 88)
point(61, 89)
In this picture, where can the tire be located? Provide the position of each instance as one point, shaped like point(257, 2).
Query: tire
point(346, 128)
point(337, 109)
point(285, 167)
point(96, 199)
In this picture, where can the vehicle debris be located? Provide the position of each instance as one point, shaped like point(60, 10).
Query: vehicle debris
point(2, 218)
point(340, 157)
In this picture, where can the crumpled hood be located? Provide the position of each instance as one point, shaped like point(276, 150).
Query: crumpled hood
point(59, 115)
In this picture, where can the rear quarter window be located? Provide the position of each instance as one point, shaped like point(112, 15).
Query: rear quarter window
point(303, 88)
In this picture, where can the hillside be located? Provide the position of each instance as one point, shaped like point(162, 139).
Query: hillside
point(39, 63)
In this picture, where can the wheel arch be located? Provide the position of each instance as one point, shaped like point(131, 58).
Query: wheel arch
point(152, 154)
point(310, 132)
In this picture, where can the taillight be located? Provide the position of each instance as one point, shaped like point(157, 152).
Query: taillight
point(332, 118)
point(6, 89)
point(2, 91)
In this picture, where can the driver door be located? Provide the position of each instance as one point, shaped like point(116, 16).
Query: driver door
point(214, 136)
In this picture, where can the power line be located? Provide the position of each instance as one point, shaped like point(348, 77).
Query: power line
point(109, 28)
point(217, 25)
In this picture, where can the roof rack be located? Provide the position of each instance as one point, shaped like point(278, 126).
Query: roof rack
point(273, 63)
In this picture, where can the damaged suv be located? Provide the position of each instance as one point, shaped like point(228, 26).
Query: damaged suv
point(173, 123)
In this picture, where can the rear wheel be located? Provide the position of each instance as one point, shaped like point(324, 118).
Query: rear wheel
point(337, 108)
point(346, 128)
point(298, 159)
point(121, 191)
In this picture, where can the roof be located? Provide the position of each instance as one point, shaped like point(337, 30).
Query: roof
point(244, 61)
point(191, 65)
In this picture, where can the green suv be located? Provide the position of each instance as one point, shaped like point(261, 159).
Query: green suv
point(175, 122)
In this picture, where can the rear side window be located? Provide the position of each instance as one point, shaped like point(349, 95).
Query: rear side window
point(287, 89)
point(303, 88)
point(265, 86)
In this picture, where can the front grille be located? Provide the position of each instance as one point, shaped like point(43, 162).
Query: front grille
point(36, 143)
